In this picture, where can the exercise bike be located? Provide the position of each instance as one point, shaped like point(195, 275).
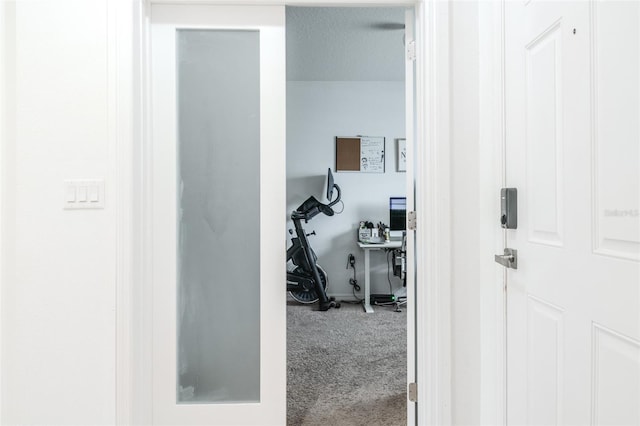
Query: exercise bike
point(307, 281)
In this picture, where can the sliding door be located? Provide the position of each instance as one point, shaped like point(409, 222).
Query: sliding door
point(218, 143)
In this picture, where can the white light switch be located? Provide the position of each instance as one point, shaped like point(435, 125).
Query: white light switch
point(84, 194)
point(71, 193)
point(94, 193)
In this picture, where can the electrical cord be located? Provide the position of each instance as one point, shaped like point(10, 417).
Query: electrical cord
point(388, 272)
point(395, 304)
point(398, 302)
point(351, 262)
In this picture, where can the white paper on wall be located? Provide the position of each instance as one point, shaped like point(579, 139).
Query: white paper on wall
point(372, 154)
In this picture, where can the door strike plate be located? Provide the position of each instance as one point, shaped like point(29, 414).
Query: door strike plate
point(413, 392)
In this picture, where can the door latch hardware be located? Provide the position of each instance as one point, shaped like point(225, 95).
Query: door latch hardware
point(411, 50)
point(413, 392)
point(509, 259)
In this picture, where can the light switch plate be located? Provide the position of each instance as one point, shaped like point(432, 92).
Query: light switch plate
point(83, 194)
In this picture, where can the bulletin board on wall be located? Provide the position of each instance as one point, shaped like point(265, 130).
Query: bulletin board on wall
point(360, 154)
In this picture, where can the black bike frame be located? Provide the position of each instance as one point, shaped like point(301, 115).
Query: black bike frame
point(301, 251)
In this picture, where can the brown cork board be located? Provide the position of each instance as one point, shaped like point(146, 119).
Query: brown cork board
point(360, 154)
point(347, 154)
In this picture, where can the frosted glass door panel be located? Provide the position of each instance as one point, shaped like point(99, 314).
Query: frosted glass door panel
point(218, 298)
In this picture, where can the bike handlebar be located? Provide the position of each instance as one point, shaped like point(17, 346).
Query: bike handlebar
point(331, 203)
point(311, 207)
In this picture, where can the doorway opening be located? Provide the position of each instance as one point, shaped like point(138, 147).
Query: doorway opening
point(346, 78)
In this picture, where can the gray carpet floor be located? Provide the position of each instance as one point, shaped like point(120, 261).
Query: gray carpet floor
point(346, 367)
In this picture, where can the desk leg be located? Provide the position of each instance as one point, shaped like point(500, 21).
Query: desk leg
point(367, 283)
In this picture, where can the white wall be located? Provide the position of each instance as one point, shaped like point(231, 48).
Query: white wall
point(59, 277)
point(317, 112)
point(477, 298)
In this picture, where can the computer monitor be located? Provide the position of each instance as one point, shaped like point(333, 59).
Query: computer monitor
point(398, 213)
point(329, 184)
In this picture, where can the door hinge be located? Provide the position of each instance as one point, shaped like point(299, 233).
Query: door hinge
point(411, 50)
point(413, 392)
point(411, 221)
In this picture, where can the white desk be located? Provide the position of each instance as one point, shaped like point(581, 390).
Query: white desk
point(393, 244)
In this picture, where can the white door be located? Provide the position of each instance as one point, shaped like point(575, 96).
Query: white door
point(573, 153)
point(218, 189)
point(411, 183)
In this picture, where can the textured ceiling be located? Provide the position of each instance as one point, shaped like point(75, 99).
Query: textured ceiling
point(345, 44)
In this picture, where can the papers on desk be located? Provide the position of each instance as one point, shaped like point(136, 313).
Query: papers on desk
point(370, 236)
point(378, 240)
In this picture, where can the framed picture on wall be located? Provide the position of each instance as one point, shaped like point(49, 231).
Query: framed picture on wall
point(401, 154)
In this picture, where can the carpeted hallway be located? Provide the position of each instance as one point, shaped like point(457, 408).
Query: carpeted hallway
point(346, 367)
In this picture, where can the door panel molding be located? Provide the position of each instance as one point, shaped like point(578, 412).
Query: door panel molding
point(613, 153)
point(544, 138)
point(545, 341)
point(607, 401)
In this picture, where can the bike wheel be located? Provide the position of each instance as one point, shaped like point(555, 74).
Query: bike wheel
point(310, 295)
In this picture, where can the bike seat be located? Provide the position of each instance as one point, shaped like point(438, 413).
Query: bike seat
point(326, 209)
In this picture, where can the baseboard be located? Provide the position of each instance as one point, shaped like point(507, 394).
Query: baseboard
point(343, 296)
point(349, 296)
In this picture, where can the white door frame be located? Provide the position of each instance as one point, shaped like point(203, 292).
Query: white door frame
point(493, 389)
point(131, 21)
point(3, 142)
point(433, 212)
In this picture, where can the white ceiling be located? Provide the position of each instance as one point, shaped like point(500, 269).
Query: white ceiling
point(345, 44)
